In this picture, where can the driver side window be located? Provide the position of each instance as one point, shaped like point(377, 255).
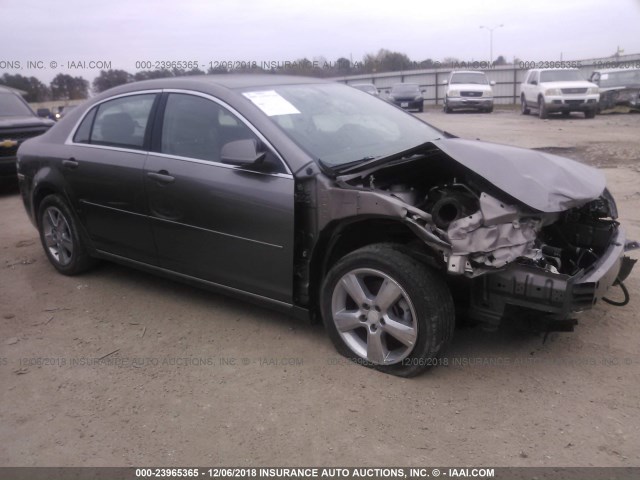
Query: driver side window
point(196, 127)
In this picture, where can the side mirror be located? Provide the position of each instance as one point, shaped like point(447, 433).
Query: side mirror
point(492, 83)
point(242, 153)
point(423, 91)
point(445, 82)
point(534, 82)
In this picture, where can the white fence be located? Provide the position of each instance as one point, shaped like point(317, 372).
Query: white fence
point(507, 77)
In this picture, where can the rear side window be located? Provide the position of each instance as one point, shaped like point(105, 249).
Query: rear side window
point(119, 123)
point(83, 134)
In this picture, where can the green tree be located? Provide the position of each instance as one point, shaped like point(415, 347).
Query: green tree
point(111, 78)
point(343, 66)
point(387, 61)
point(151, 74)
point(36, 90)
point(66, 87)
point(500, 60)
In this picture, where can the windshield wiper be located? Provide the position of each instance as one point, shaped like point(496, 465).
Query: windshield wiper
point(353, 166)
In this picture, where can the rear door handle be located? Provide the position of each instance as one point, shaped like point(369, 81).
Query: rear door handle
point(161, 177)
point(72, 163)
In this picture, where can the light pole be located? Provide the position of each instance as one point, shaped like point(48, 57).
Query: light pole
point(491, 29)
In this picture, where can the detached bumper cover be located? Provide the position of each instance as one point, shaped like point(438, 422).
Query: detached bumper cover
point(554, 295)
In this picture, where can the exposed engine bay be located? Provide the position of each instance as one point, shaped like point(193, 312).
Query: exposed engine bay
point(486, 229)
point(537, 249)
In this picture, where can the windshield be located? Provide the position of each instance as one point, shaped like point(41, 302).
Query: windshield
point(560, 76)
point(405, 88)
point(620, 79)
point(478, 78)
point(12, 106)
point(338, 124)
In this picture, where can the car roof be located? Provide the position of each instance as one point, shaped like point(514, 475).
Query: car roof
point(230, 81)
point(617, 70)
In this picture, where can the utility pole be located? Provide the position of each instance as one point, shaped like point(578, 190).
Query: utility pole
point(491, 29)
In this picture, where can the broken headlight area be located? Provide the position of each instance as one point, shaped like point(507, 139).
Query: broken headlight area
point(486, 233)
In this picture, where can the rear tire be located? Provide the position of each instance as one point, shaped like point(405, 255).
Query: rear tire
point(60, 237)
point(383, 309)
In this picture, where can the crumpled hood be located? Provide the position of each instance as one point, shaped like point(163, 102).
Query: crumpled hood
point(542, 181)
point(26, 121)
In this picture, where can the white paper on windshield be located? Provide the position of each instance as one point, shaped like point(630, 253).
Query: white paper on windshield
point(271, 103)
point(604, 76)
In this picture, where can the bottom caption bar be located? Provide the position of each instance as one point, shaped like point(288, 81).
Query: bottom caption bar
point(501, 473)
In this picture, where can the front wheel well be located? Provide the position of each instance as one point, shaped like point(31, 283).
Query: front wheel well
point(342, 238)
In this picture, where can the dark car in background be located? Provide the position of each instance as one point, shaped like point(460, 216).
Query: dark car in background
point(309, 197)
point(618, 88)
point(17, 123)
point(407, 96)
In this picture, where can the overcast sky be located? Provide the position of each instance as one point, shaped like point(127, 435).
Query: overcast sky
point(123, 32)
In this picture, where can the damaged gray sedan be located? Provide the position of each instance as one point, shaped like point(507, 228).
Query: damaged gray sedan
point(323, 202)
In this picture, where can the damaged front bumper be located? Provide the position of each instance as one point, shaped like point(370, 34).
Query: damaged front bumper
point(549, 297)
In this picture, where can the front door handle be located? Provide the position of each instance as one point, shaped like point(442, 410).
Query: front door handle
point(72, 163)
point(161, 177)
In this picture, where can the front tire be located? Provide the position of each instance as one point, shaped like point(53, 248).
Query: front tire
point(60, 237)
point(590, 113)
point(542, 109)
point(446, 107)
point(383, 309)
point(523, 106)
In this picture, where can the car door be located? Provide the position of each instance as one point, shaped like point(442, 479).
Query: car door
point(531, 88)
point(104, 175)
point(227, 225)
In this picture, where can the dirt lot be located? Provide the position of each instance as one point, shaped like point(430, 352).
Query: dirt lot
point(193, 378)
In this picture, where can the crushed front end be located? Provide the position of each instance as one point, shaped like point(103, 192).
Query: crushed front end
point(537, 255)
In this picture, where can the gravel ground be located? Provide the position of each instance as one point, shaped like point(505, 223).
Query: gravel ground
point(192, 378)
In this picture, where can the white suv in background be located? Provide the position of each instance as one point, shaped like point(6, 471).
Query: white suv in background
point(468, 90)
point(562, 90)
